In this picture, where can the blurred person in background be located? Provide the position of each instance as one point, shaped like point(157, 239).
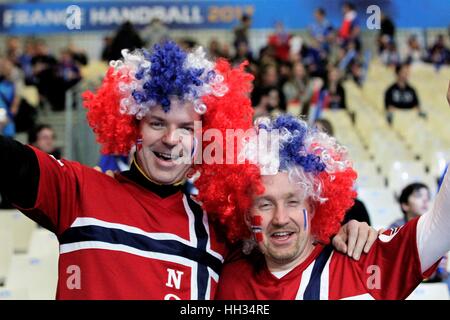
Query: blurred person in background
point(241, 32)
point(387, 32)
point(401, 95)
point(280, 41)
point(413, 51)
point(126, 37)
point(243, 53)
point(269, 78)
point(335, 91)
point(8, 99)
point(415, 200)
point(155, 32)
point(350, 31)
point(269, 102)
point(438, 53)
point(297, 90)
point(321, 29)
point(390, 55)
point(43, 137)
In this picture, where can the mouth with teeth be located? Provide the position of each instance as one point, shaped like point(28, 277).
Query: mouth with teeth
point(168, 156)
point(281, 237)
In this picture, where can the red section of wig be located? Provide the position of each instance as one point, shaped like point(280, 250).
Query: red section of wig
point(338, 189)
point(115, 132)
point(226, 190)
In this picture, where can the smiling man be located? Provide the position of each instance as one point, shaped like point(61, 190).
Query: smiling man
point(139, 235)
point(300, 207)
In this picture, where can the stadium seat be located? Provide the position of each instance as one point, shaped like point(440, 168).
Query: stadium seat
point(43, 243)
point(38, 274)
point(6, 244)
point(381, 205)
point(7, 293)
point(430, 291)
point(22, 230)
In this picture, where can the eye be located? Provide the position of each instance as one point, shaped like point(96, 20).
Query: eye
point(157, 125)
point(188, 130)
point(293, 203)
point(265, 206)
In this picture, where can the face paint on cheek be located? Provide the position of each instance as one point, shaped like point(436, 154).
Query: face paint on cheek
point(256, 228)
point(194, 148)
point(305, 219)
point(139, 144)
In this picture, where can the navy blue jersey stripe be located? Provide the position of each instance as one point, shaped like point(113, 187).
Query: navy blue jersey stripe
point(312, 291)
point(141, 242)
point(202, 240)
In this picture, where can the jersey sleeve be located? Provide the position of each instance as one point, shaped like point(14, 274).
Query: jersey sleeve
point(392, 270)
point(59, 189)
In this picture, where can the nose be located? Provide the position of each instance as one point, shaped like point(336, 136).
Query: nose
point(280, 216)
point(171, 138)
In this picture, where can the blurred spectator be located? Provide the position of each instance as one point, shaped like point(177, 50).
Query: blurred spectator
point(269, 101)
point(390, 56)
point(387, 32)
point(415, 200)
point(8, 99)
point(241, 31)
point(350, 30)
point(413, 50)
point(268, 79)
point(155, 32)
point(438, 53)
point(266, 56)
point(358, 212)
point(325, 126)
point(25, 60)
point(314, 59)
point(13, 50)
point(215, 49)
point(126, 38)
point(106, 51)
point(43, 137)
point(322, 29)
point(280, 42)
point(243, 53)
point(401, 95)
point(334, 90)
point(45, 76)
point(297, 90)
point(68, 69)
point(78, 55)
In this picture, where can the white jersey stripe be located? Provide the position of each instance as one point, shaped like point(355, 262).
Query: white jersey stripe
point(306, 276)
point(325, 280)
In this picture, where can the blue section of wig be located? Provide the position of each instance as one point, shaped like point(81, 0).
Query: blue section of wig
point(293, 151)
point(167, 76)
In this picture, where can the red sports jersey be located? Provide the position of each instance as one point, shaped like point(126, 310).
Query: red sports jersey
point(391, 270)
point(119, 240)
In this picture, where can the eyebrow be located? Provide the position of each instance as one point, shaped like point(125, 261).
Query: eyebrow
point(268, 198)
point(183, 124)
point(157, 118)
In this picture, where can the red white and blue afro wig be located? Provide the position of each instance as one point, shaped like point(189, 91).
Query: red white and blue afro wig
point(313, 160)
point(142, 80)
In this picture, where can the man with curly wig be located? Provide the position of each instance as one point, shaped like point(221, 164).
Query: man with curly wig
point(305, 192)
point(140, 235)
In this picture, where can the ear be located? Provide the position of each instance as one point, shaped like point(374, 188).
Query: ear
point(404, 207)
point(310, 206)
